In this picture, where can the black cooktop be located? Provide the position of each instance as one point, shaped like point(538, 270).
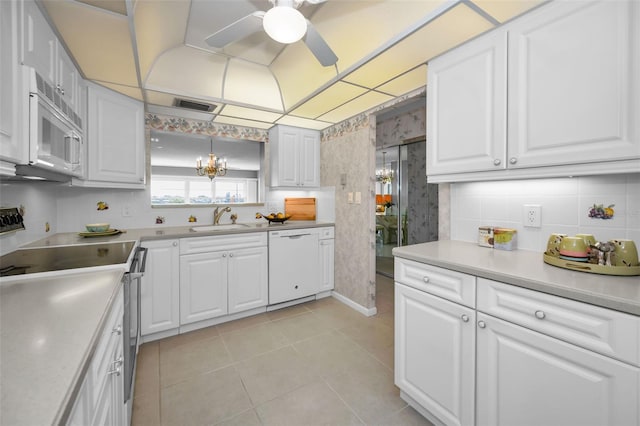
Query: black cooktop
point(48, 259)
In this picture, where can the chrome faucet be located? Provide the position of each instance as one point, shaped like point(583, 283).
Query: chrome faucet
point(217, 214)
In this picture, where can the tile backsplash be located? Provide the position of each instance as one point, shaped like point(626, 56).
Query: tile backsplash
point(565, 204)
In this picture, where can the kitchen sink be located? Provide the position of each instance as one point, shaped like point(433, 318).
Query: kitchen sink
point(225, 227)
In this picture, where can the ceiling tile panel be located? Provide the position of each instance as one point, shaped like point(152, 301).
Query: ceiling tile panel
point(355, 29)
point(240, 122)
point(116, 6)
point(249, 113)
point(189, 72)
point(160, 25)
point(504, 10)
point(159, 98)
point(299, 73)
point(132, 92)
point(98, 40)
point(303, 122)
point(456, 26)
point(328, 99)
point(406, 82)
point(363, 103)
point(251, 84)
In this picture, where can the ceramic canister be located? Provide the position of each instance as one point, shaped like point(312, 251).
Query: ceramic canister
point(553, 244)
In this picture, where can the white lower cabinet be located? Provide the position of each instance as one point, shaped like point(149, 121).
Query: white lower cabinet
point(160, 290)
point(527, 378)
point(203, 286)
point(435, 354)
point(327, 277)
point(101, 397)
point(531, 358)
point(215, 282)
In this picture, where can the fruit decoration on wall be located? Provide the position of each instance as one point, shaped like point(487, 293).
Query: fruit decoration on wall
point(599, 211)
point(102, 205)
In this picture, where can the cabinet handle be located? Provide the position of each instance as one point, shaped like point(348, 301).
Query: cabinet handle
point(513, 160)
point(482, 324)
point(61, 90)
point(540, 314)
point(465, 318)
point(230, 254)
point(296, 287)
point(425, 279)
point(496, 162)
point(118, 329)
point(224, 254)
point(116, 366)
point(175, 244)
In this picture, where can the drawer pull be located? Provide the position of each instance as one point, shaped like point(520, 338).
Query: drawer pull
point(117, 330)
point(465, 318)
point(540, 314)
point(425, 279)
point(116, 366)
point(482, 324)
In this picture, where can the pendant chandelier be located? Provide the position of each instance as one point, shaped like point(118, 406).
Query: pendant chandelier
point(214, 167)
point(384, 175)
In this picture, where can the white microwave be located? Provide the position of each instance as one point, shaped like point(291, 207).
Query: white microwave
point(55, 130)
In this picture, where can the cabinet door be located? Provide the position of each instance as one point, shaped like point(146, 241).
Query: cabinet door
point(574, 84)
point(247, 281)
point(309, 157)
point(288, 163)
point(68, 79)
point(115, 140)
point(160, 291)
point(466, 107)
point(527, 378)
point(38, 42)
point(203, 286)
point(435, 354)
point(326, 265)
point(12, 146)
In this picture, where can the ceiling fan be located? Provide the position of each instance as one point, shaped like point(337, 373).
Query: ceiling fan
point(283, 23)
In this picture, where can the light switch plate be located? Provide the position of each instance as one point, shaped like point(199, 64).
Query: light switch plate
point(358, 197)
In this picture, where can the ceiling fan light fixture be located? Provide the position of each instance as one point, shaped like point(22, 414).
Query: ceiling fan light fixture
point(284, 24)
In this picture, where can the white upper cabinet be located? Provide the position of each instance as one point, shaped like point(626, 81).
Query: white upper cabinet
point(566, 105)
point(295, 157)
point(115, 140)
point(466, 107)
point(12, 148)
point(42, 50)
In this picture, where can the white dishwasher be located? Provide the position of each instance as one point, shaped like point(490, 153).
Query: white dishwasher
point(294, 264)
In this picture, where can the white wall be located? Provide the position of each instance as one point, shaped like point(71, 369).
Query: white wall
point(565, 205)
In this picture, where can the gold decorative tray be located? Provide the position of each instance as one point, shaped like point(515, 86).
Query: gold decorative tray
point(592, 268)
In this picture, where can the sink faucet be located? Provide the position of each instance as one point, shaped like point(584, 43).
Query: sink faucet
point(217, 214)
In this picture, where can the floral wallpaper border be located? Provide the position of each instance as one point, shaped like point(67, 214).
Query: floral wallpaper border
point(176, 124)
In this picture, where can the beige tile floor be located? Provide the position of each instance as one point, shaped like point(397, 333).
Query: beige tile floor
point(319, 363)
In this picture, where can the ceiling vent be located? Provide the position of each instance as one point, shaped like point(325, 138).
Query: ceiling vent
point(196, 106)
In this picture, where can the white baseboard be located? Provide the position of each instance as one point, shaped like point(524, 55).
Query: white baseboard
point(353, 305)
point(420, 409)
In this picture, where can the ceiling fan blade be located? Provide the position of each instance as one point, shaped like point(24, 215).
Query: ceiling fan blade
point(238, 30)
point(319, 47)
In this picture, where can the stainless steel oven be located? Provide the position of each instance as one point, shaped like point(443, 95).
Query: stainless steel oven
point(131, 321)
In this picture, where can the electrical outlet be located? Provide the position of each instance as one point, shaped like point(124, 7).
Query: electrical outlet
point(350, 197)
point(126, 210)
point(358, 197)
point(531, 215)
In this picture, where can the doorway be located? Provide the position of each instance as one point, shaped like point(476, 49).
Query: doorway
point(406, 205)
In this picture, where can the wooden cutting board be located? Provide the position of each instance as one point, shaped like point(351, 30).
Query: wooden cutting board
point(300, 208)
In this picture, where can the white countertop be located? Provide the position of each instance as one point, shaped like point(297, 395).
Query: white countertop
point(166, 232)
point(48, 331)
point(527, 269)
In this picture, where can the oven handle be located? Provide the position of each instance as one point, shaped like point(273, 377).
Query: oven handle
point(134, 274)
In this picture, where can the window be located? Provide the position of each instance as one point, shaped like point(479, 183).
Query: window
point(176, 190)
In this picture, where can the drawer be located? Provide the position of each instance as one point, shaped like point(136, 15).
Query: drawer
point(222, 242)
point(327, 233)
point(103, 355)
point(451, 285)
point(611, 333)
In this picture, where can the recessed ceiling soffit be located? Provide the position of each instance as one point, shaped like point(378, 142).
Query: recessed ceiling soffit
point(156, 51)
